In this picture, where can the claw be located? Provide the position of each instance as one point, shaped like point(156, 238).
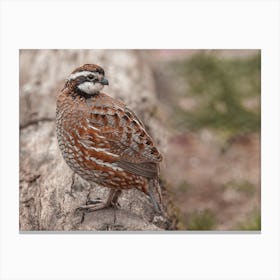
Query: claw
point(95, 201)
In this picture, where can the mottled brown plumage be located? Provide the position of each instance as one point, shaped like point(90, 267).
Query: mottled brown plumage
point(102, 140)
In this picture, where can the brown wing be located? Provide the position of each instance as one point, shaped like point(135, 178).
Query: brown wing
point(146, 169)
point(125, 136)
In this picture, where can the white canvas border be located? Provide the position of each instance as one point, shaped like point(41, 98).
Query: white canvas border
point(155, 24)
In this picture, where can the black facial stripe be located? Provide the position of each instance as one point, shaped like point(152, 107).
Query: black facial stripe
point(81, 79)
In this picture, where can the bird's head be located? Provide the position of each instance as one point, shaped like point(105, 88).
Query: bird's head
point(88, 79)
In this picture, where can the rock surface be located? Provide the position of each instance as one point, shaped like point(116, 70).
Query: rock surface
point(49, 191)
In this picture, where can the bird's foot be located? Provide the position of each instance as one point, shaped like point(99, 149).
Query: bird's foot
point(98, 204)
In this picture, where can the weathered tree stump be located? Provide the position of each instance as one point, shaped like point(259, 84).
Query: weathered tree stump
point(49, 191)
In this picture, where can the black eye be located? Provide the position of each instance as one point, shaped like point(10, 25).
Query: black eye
point(90, 76)
point(100, 71)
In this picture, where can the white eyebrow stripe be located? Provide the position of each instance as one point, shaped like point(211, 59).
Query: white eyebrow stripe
point(79, 74)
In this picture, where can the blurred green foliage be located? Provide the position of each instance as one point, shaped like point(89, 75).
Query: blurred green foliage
point(252, 223)
point(184, 187)
point(201, 220)
point(241, 186)
point(220, 87)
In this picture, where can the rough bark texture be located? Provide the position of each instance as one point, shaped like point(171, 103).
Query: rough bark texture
point(49, 191)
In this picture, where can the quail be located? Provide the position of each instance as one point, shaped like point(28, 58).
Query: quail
point(103, 141)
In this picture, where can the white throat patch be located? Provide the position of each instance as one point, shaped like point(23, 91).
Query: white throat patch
point(90, 87)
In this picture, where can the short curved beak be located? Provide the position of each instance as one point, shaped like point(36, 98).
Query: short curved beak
point(104, 82)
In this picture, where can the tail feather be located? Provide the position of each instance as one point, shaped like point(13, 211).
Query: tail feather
point(154, 184)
